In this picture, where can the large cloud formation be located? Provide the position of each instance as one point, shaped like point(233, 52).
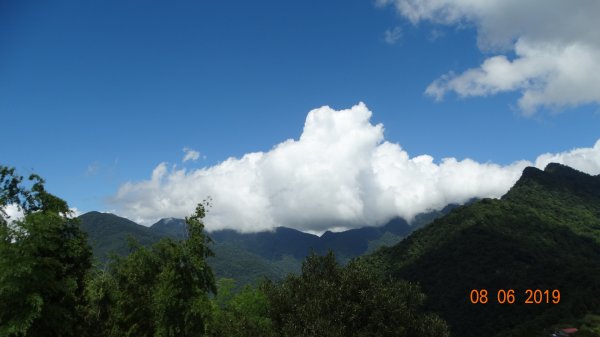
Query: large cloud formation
point(555, 42)
point(340, 173)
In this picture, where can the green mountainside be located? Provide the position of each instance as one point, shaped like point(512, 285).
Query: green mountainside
point(285, 242)
point(108, 233)
point(543, 234)
point(247, 257)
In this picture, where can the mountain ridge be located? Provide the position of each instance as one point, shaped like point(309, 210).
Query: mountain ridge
point(282, 241)
point(248, 256)
point(544, 233)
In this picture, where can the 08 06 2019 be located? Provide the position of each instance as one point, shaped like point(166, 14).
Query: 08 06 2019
point(511, 296)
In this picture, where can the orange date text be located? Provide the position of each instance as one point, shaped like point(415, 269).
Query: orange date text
point(510, 296)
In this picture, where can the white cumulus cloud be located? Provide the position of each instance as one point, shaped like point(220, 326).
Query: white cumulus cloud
point(190, 154)
point(340, 173)
point(555, 44)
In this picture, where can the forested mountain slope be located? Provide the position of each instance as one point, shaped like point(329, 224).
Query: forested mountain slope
point(285, 242)
point(543, 234)
point(248, 257)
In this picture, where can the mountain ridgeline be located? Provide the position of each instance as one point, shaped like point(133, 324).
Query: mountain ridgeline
point(247, 257)
point(287, 242)
point(544, 234)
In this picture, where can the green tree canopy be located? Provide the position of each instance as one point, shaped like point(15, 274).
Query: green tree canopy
point(330, 300)
point(240, 314)
point(44, 258)
point(162, 290)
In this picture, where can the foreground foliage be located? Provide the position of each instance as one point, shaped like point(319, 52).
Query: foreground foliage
point(329, 300)
point(44, 258)
point(241, 314)
point(161, 291)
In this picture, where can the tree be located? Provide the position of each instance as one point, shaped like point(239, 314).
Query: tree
point(241, 314)
point(160, 290)
point(100, 292)
point(330, 300)
point(44, 258)
point(29, 200)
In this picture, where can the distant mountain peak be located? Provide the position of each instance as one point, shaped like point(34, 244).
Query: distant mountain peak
point(559, 176)
point(166, 221)
point(554, 167)
point(530, 172)
point(327, 234)
point(93, 213)
point(172, 227)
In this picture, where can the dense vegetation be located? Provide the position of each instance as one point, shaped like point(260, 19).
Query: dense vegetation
point(543, 234)
point(249, 257)
point(43, 262)
point(333, 301)
point(47, 287)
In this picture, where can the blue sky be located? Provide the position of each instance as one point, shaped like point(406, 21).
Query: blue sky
point(97, 94)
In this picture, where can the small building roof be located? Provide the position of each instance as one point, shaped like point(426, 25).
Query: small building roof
point(569, 330)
